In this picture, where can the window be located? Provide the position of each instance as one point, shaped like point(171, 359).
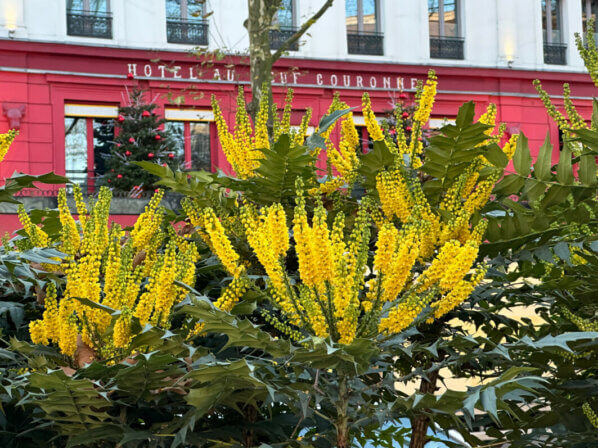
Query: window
point(185, 23)
point(284, 25)
point(589, 10)
point(192, 131)
point(86, 141)
point(445, 34)
point(363, 27)
point(89, 18)
point(555, 50)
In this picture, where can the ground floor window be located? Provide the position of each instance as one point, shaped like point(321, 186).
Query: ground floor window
point(88, 137)
point(192, 130)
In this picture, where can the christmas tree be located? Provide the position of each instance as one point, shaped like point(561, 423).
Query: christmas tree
point(140, 136)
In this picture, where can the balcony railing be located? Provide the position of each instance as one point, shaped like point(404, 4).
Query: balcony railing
point(366, 43)
point(444, 47)
point(555, 54)
point(89, 24)
point(180, 31)
point(279, 36)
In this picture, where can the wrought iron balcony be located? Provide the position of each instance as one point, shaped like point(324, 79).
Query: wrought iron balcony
point(180, 31)
point(555, 53)
point(89, 24)
point(279, 36)
point(444, 47)
point(366, 43)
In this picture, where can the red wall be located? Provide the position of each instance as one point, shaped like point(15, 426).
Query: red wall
point(45, 76)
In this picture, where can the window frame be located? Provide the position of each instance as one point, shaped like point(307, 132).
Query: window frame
point(441, 21)
point(188, 116)
point(360, 24)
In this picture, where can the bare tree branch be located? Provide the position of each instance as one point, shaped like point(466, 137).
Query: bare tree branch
point(301, 31)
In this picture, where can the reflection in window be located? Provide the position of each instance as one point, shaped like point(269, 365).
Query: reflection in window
point(192, 10)
point(551, 21)
point(589, 10)
point(284, 15)
point(91, 6)
point(443, 18)
point(103, 139)
point(177, 130)
point(361, 16)
point(201, 157)
point(75, 148)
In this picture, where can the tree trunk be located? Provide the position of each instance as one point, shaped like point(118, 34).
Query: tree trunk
point(258, 25)
point(420, 423)
point(249, 434)
point(342, 419)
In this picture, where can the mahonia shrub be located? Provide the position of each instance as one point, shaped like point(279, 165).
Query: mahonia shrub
point(401, 254)
point(116, 282)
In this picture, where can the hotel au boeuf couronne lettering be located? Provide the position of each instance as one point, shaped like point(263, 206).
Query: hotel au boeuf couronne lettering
point(327, 78)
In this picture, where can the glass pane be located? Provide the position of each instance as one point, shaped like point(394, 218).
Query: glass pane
point(177, 131)
point(351, 15)
point(75, 149)
point(369, 16)
point(433, 18)
point(589, 10)
point(201, 154)
point(284, 16)
point(103, 139)
point(554, 14)
point(190, 9)
point(93, 6)
point(451, 24)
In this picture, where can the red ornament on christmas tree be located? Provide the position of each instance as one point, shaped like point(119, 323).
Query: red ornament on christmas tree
point(119, 176)
point(402, 96)
point(131, 140)
point(165, 164)
point(405, 114)
point(171, 155)
point(157, 136)
point(130, 75)
point(121, 118)
point(118, 145)
point(128, 153)
point(408, 128)
point(145, 113)
point(150, 155)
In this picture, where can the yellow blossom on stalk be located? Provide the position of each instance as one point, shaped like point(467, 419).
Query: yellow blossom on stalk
point(220, 242)
point(426, 101)
point(370, 119)
point(37, 332)
point(122, 329)
point(394, 194)
point(5, 142)
point(299, 136)
point(460, 291)
point(489, 118)
point(345, 159)
point(510, 146)
point(232, 294)
point(50, 317)
point(69, 232)
point(149, 222)
point(37, 236)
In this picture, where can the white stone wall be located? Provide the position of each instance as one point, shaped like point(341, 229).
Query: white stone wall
point(496, 32)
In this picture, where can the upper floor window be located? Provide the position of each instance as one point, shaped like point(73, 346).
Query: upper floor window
point(284, 25)
point(445, 33)
point(185, 23)
point(555, 50)
point(89, 18)
point(589, 10)
point(363, 27)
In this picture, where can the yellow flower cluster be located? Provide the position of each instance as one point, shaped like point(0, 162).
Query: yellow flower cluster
point(37, 236)
point(575, 121)
point(107, 267)
point(426, 101)
point(590, 414)
point(395, 198)
point(371, 122)
point(5, 142)
point(242, 147)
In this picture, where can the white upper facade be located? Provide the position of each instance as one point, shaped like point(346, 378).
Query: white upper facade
point(485, 33)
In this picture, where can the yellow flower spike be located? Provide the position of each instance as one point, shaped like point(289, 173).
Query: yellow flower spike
point(221, 244)
point(243, 129)
point(510, 146)
point(394, 195)
point(122, 329)
point(80, 205)
point(458, 293)
point(50, 316)
point(36, 235)
point(37, 332)
point(5, 142)
point(370, 119)
point(488, 118)
point(299, 137)
point(458, 266)
point(278, 230)
point(148, 223)
point(426, 100)
point(577, 121)
point(403, 315)
point(285, 123)
point(69, 233)
point(232, 294)
point(385, 247)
